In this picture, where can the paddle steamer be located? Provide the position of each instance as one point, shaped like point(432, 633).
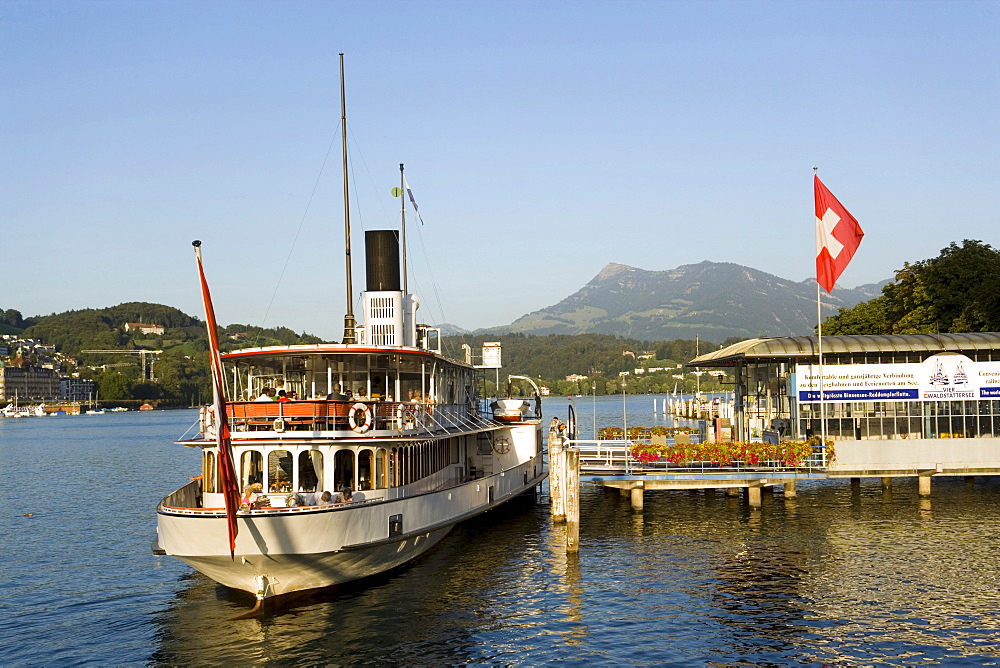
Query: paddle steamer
point(414, 442)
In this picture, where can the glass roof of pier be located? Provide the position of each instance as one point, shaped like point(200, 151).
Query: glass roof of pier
point(805, 347)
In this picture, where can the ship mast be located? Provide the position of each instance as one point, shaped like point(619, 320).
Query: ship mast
point(349, 322)
point(402, 197)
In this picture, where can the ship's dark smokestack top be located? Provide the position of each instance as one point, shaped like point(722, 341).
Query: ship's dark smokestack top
point(382, 260)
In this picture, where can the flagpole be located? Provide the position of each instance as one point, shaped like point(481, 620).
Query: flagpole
point(349, 322)
point(822, 404)
point(838, 236)
point(402, 201)
point(819, 337)
point(228, 476)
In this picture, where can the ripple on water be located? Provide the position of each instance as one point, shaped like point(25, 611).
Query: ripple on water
point(829, 577)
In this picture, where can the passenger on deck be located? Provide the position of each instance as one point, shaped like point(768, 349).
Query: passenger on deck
point(336, 395)
point(279, 388)
point(345, 495)
point(267, 394)
point(360, 394)
point(293, 500)
point(249, 497)
point(326, 499)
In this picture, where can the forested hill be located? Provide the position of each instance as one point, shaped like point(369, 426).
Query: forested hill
point(602, 358)
point(100, 329)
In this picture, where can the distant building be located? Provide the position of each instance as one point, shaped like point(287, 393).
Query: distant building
point(29, 383)
point(144, 328)
point(575, 377)
point(77, 389)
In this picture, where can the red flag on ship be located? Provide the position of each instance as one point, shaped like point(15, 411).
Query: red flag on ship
point(227, 472)
point(838, 235)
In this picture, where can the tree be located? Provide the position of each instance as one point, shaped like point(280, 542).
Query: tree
point(866, 318)
point(958, 291)
point(113, 385)
point(13, 318)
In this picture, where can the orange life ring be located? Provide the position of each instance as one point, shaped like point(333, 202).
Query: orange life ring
point(365, 423)
point(208, 416)
point(405, 418)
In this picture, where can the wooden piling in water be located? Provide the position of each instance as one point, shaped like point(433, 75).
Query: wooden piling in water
point(556, 475)
point(572, 480)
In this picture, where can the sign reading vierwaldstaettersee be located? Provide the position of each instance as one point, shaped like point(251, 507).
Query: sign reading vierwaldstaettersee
point(945, 377)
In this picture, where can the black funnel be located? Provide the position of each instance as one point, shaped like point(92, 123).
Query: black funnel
point(382, 260)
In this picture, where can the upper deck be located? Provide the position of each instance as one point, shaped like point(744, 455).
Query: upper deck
point(321, 418)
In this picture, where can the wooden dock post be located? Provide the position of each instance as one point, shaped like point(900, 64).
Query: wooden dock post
point(886, 484)
point(753, 497)
point(790, 490)
point(572, 480)
point(556, 475)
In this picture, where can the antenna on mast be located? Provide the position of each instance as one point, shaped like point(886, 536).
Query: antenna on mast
point(349, 322)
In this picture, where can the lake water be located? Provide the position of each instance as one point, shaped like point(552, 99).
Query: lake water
point(830, 577)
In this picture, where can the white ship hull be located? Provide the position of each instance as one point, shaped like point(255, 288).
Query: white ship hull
point(280, 551)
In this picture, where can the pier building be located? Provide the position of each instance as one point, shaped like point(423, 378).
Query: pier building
point(892, 403)
point(913, 405)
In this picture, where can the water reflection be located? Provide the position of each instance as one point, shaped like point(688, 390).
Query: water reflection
point(836, 575)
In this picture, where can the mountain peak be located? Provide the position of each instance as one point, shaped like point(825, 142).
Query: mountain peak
point(612, 269)
point(718, 300)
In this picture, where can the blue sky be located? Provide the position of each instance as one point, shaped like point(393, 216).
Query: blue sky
point(542, 141)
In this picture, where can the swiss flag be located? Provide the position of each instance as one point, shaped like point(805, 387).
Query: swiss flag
point(838, 235)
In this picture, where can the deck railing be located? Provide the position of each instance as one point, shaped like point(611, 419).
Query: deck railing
point(610, 456)
point(376, 416)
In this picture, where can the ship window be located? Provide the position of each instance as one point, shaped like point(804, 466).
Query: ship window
point(252, 468)
point(395, 525)
point(393, 469)
point(365, 470)
point(208, 474)
point(279, 471)
point(381, 459)
point(343, 469)
point(310, 471)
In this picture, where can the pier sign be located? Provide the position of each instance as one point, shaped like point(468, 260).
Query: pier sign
point(944, 377)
